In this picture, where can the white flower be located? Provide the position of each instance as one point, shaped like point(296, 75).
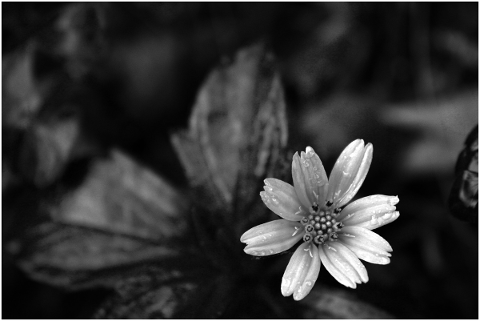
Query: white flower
point(313, 210)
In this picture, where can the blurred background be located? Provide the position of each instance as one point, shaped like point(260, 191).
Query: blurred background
point(403, 76)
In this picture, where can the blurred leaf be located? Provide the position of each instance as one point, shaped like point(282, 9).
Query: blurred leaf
point(208, 301)
point(120, 216)
point(83, 42)
point(338, 304)
point(142, 303)
point(46, 150)
point(21, 95)
point(180, 298)
point(120, 195)
point(441, 127)
point(236, 132)
point(77, 257)
point(463, 200)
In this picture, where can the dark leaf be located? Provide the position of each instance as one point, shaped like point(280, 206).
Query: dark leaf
point(441, 125)
point(177, 297)
point(236, 132)
point(46, 150)
point(83, 42)
point(209, 301)
point(120, 217)
point(76, 257)
point(21, 94)
point(142, 303)
point(463, 200)
point(338, 304)
point(120, 195)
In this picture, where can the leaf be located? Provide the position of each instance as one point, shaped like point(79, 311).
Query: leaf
point(236, 132)
point(46, 150)
point(441, 127)
point(142, 303)
point(338, 304)
point(83, 43)
point(121, 216)
point(22, 95)
point(176, 298)
point(77, 257)
point(463, 200)
point(120, 195)
point(210, 300)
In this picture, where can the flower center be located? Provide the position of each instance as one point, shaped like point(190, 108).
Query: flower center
point(321, 226)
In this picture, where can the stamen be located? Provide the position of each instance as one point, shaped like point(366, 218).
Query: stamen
point(296, 231)
point(307, 237)
point(309, 228)
point(321, 226)
point(299, 211)
point(329, 203)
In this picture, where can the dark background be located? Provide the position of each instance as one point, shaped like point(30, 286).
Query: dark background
point(403, 76)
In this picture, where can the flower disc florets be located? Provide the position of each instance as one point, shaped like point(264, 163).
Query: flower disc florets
point(321, 225)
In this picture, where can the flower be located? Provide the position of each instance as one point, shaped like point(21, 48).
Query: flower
point(313, 210)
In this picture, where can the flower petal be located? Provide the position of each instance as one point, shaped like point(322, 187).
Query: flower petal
point(299, 182)
point(272, 237)
point(332, 266)
point(280, 198)
point(314, 177)
point(370, 212)
point(365, 203)
point(347, 262)
point(367, 245)
point(349, 172)
point(373, 217)
point(301, 272)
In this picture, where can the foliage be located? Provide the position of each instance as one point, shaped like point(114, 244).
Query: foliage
point(136, 138)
